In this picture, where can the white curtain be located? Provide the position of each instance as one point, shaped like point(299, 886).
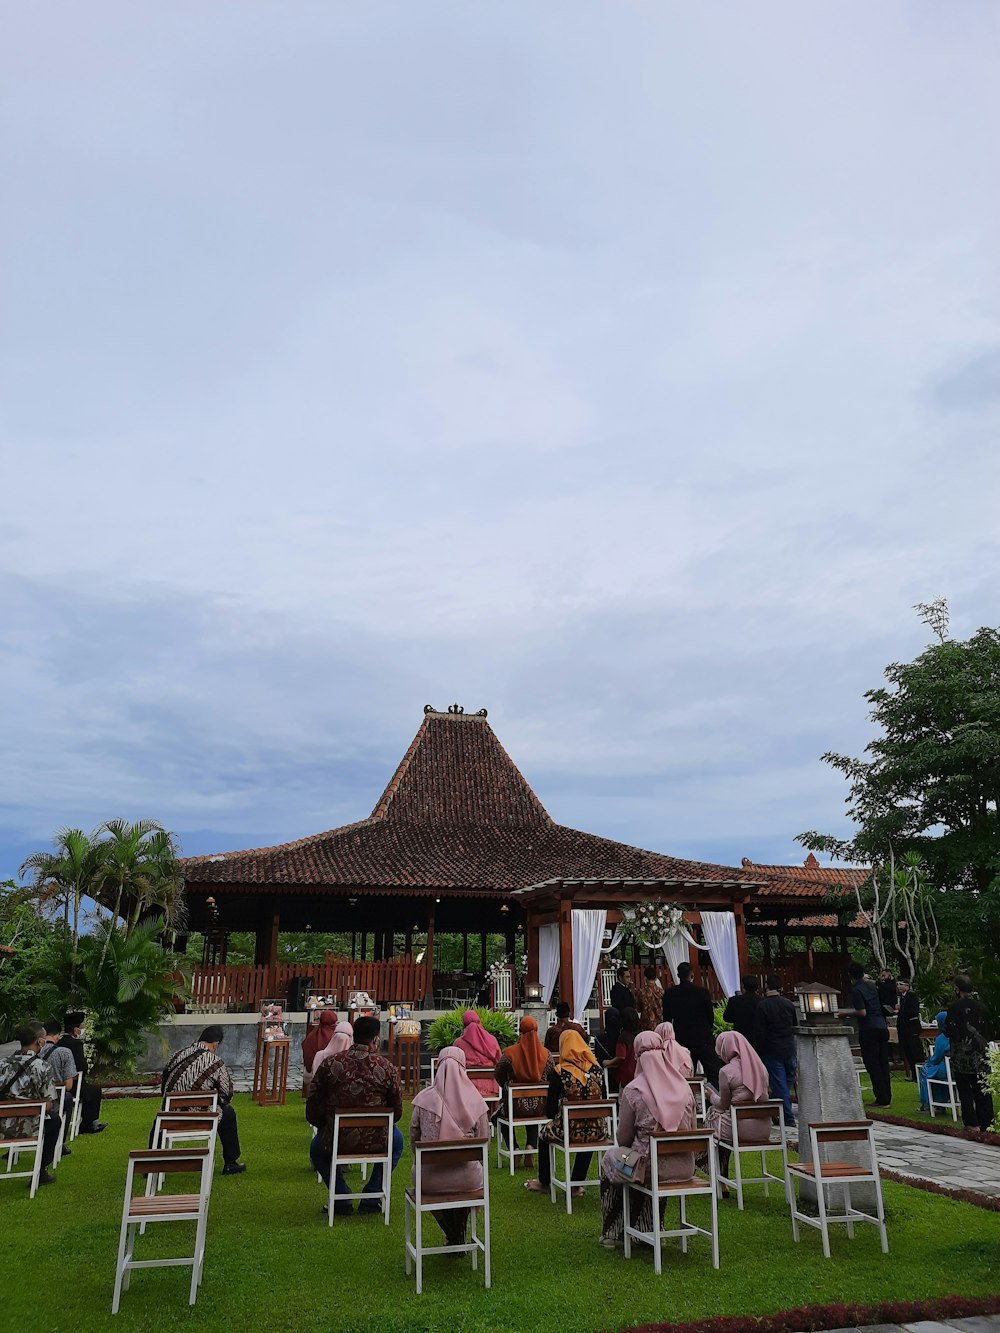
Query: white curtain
point(720, 936)
point(615, 940)
point(675, 951)
point(588, 931)
point(548, 959)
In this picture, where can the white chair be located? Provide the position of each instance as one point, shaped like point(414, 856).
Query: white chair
point(343, 1121)
point(697, 1085)
point(572, 1112)
point(512, 1119)
point(76, 1109)
point(661, 1148)
point(142, 1210)
point(27, 1140)
point(605, 980)
point(418, 1200)
point(62, 1112)
point(749, 1112)
point(503, 989)
point(948, 1083)
point(191, 1101)
point(182, 1129)
point(823, 1175)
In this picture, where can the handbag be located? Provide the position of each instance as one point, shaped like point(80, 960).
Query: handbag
point(627, 1163)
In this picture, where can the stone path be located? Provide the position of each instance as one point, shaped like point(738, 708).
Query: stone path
point(956, 1163)
point(979, 1324)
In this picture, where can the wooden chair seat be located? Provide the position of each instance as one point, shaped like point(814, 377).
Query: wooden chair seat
point(832, 1169)
point(181, 1204)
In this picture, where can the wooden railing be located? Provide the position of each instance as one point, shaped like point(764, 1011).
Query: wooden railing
point(243, 988)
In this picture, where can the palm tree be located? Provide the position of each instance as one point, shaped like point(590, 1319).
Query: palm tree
point(138, 865)
point(69, 872)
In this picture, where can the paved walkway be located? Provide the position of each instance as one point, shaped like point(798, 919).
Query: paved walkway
point(979, 1324)
point(957, 1163)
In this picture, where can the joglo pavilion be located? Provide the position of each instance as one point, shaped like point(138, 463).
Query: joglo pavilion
point(459, 844)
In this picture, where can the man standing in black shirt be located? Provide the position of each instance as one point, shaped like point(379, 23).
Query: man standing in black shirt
point(908, 1028)
point(774, 1040)
point(690, 1009)
point(741, 1008)
point(873, 1033)
point(968, 1029)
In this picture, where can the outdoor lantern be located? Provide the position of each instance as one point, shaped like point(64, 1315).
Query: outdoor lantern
point(533, 992)
point(817, 1002)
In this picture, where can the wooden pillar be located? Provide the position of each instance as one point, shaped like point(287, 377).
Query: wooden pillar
point(531, 947)
point(266, 950)
point(566, 951)
point(429, 958)
point(510, 943)
point(364, 946)
point(354, 945)
point(224, 950)
point(465, 951)
point(482, 951)
point(809, 951)
point(767, 950)
point(378, 944)
point(409, 941)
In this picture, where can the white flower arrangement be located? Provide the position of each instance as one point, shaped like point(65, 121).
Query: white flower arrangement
point(651, 922)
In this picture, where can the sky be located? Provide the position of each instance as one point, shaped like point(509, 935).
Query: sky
point(627, 369)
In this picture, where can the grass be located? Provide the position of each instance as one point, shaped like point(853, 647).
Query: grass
point(272, 1261)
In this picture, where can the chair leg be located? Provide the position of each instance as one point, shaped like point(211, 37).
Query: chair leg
point(847, 1209)
point(880, 1213)
point(739, 1178)
point(420, 1251)
point(684, 1222)
point(119, 1269)
point(487, 1270)
point(657, 1239)
point(824, 1226)
point(627, 1220)
point(407, 1257)
point(793, 1204)
point(387, 1182)
point(567, 1160)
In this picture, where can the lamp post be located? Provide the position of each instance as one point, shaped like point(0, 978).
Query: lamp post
point(827, 1080)
point(534, 1007)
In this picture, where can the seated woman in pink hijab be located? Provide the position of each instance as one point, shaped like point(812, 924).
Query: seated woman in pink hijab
point(742, 1079)
point(677, 1055)
point(482, 1051)
point(342, 1039)
point(658, 1099)
point(450, 1108)
point(316, 1039)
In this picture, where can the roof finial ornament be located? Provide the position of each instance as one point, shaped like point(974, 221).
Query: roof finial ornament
point(429, 708)
point(455, 708)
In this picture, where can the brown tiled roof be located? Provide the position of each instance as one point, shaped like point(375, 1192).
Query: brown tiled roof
point(458, 815)
point(817, 876)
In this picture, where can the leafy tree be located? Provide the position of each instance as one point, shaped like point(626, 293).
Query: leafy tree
point(34, 942)
point(124, 981)
point(138, 866)
point(930, 784)
point(68, 872)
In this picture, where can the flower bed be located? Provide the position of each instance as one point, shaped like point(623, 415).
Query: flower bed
point(807, 1318)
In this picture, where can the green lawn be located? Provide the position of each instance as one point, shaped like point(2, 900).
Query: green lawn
point(273, 1262)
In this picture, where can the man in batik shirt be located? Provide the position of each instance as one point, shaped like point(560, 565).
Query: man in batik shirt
point(25, 1077)
point(199, 1068)
point(649, 1001)
point(356, 1078)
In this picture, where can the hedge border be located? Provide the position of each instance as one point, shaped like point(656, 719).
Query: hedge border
point(808, 1318)
point(988, 1201)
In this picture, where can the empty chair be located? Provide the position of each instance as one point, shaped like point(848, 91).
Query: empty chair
point(419, 1201)
point(142, 1210)
point(662, 1187)
point(183, 1129)
point(842, 1174)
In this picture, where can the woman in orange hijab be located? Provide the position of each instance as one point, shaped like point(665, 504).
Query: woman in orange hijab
point(576, 1078)
point(527, 1061)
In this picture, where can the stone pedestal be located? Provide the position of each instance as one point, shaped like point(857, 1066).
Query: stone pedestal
point(540, 1013)
point(828, 1090)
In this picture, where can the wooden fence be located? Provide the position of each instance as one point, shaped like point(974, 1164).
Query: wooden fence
point(239, 989)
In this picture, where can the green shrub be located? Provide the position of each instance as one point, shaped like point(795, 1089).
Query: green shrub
point(719, 1024)
point(444, 1030)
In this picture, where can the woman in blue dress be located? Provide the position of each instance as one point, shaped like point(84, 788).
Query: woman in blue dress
point(934, 1067)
